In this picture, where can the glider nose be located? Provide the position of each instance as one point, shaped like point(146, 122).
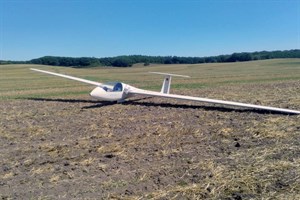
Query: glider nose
point(95, 93)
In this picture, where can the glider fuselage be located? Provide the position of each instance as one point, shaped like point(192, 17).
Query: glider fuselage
point(111, 92)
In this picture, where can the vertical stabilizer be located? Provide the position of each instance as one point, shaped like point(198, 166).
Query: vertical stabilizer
point(165, 89)
point(166, 85)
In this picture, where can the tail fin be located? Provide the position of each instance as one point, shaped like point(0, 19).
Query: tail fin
point(166, 84)
point(167, 81)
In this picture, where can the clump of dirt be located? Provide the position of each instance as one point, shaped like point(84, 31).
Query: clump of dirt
point(152, 148)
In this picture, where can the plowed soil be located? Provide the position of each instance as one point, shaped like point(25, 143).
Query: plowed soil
point(151, 148)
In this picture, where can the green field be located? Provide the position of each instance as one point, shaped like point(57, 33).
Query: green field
point(17, 81)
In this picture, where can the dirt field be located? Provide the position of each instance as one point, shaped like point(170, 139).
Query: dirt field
point(58, 144)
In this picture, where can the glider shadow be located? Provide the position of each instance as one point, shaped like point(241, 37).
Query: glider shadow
point(99, 104)
point(64, 100)
point(96, 103)
point(207, 108)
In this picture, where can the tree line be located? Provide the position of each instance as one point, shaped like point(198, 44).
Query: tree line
point(128, 61)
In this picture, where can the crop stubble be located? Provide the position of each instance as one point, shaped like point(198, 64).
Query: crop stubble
point(73, 147)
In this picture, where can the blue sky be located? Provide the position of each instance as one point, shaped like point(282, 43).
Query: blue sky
point(76, 28)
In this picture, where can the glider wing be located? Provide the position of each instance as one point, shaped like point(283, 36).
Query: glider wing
point(231, 103)
point(69, 77)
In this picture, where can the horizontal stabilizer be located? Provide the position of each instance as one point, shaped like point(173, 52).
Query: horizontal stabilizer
point(167, 74)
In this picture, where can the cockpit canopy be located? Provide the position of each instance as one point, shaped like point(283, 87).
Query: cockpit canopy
point(113, 87)
point(118, 87)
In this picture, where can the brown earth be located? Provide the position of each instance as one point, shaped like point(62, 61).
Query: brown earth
point(152, 148)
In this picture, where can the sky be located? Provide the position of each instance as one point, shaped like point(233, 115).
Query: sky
point(104, 28)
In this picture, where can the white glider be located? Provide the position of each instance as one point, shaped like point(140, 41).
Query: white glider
point(118, 91)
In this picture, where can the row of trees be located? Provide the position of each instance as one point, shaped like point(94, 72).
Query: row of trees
point(128, 61)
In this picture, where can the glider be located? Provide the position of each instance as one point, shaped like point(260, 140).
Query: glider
point(117, 91)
